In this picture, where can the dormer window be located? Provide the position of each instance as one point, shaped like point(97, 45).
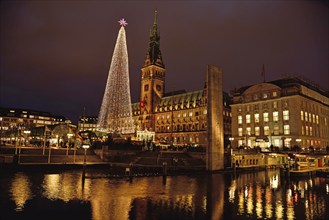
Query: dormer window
point(255, 97)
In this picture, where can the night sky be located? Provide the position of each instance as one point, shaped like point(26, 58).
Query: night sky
point(55, 55)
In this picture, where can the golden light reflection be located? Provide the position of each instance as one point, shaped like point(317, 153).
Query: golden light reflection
point(259, 202)
point(266, 198)
point(232, 189)
point(241, 201)
point(302, 193)
point(274, 182)
point(310, 182)
point(246, 192)
point(204, 204)
point(250, 202)
point(279, 210)
point(20, 190)
point(289, 197)
point(290, 208)
point(268, 206)
point(51, 186)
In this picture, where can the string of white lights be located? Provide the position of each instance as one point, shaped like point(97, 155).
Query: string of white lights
point(116, 113)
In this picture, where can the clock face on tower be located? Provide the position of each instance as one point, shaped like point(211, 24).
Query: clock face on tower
point(158, 87)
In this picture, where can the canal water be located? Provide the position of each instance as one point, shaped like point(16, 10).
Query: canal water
point(256, 195)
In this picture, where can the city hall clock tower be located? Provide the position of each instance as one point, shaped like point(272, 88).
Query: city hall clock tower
point(153, 79)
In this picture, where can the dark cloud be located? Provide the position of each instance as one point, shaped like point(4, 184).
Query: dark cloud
point(55, 55)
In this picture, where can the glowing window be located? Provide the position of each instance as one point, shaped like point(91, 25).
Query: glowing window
point(240, 132)
point(265, 116)
point(248, 119)
point(311, 131)
point(256, 118)
point(306, 118)
point(240, 119)
point(248, 131)
point(275, 116)
point(286, 115)
point(266, 130)
point(302, 115)
point(257, 131)
point(286, 129)
point(276, 130)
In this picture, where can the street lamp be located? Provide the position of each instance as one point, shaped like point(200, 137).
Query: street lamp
point(231, 139)
point(69, 135)
point(16, 139)
point(27, 132)
point(86, 147)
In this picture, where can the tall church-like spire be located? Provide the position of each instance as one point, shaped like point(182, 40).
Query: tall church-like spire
point(153, 54)
point(152, 79)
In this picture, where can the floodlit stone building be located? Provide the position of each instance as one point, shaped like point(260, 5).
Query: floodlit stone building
point(87, 123)
point(178, 117)
point(282, 113)
point(18, 123)
point(14, 117)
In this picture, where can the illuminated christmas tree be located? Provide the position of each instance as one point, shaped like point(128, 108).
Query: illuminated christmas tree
point(115, 115)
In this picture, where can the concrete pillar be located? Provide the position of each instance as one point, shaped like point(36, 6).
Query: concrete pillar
point(215, 131)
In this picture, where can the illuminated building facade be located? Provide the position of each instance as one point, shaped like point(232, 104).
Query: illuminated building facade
point(87, 123)
point(178, 117)
point(282, 113)
point(12, 117)
point(16, 123)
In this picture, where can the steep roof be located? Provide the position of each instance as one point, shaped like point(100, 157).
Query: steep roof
point(153, 54)
point(285, 83)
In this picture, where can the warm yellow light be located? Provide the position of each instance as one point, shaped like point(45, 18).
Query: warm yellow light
point(85, 146)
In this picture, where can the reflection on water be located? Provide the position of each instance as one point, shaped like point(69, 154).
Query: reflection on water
point(219, 196)
point(20, 190)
